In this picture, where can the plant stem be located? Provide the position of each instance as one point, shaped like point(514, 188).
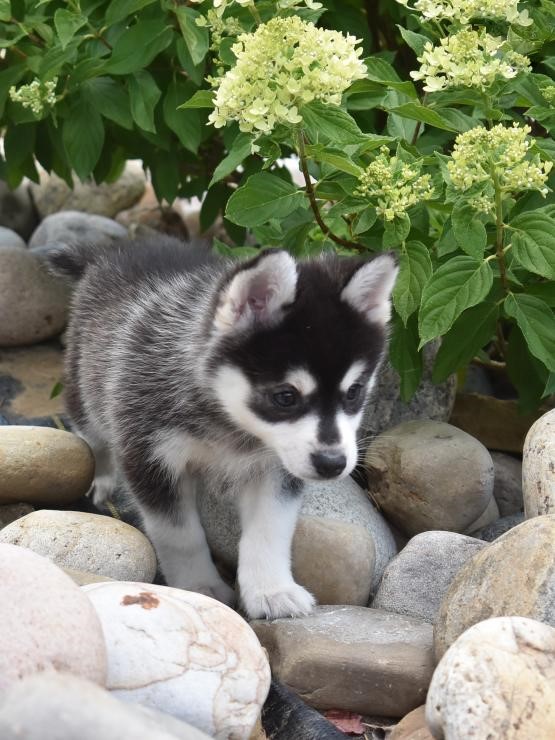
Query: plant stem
point(313, 201)
point(500, 255)
point(255, 14)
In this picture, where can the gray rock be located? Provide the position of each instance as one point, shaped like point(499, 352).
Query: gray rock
point(487, 517)
point(430, 475)
point(538, 467)
point(73, 227)
point(499, 527)
point(59, 706)
point(9, 238)
point(357, 659)
point(52, 194)
point(33, 304)
point(17, 210)
point(507, 485)
point(416, 580)
point(431, 401)
point(11, 512)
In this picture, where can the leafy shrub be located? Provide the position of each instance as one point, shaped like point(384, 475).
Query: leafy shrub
point(425, 129)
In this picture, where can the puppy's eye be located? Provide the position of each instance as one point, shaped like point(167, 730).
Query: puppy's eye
point(354, 392)
point(286, 398)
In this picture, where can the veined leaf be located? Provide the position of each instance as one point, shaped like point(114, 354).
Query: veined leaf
point(194, 36)
point(239, 151)
point(110, 99)
point(335, 158)
point(263, 197)
point(331, 122)
point(415, 268)
point(83, 136)
point(533, 242)
point(185, 124)
point(144, 94)
point(120, 9)
point(537, 323)
point(469, 231)
point(405, 357)
point(67, 24)
point(138, 46)
point(418, 112)
point(201, 99)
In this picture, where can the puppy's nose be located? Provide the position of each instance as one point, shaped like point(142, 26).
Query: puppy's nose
point(328, 464)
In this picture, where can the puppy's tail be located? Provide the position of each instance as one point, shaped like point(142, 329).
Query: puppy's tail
point(71, 261)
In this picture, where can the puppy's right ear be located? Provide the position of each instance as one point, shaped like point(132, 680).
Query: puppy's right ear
point(257, 292)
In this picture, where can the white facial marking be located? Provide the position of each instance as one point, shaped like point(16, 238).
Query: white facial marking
point(302, 380)
point(352, 375)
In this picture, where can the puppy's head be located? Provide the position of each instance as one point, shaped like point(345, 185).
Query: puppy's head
point(297, 349)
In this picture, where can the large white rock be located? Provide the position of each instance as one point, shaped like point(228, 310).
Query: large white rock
point(47, 623)
point(182, 653)
point(497, 680)
point(538, 467)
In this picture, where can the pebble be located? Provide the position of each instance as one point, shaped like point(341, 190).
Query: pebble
point(33, 303)
point(354, 658)
point(412, 727)
point(10, 512)
point(416, 580)
point(497, 680)
point(53, 194)
point(428, 475)
point(10, 239)
point(538, 467)
point(43, 465)
point(514, 576)
point(87, 542)
point(182, 653)
point(507, 485)
point(75, 228)
point(47, 621)
point(17, 210)
point(60, 706)
point(499, 527)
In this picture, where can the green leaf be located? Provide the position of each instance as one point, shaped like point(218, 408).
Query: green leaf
point(469, 334)
point(120, 9)
point(83, 136)
point(201, 99)
point(378, 70)
point(57, 389)
point(334, 157)
point(186, 124)
point(419, 112)
point(396, 231)
point(195, 37)
point(415, 268)
point(549, 389)
point(446, 243)
point(138, 46)
point(5, 10)
point(527, 374)
point(194, 71)
point(330, 122)
point(537, 322)
point(67, 24)
point(144, 94)
point(545, 291)
point(458, 284)
point(405, 357)
point(364, 220)
point(263, 197)
point(239, 151)
point(110, 99)
point(165, 176)
point(416, 41)
point(533, 243)
point(469, 231)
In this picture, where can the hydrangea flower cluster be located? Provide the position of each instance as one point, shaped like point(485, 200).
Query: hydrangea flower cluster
point(221, 5)
point(462, 11)
point(283, 65)
point(394, 185)
point(468, 59)
point(36, 95)
point(497, 156)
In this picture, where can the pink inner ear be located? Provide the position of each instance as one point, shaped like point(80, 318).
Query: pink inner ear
point(260, 293)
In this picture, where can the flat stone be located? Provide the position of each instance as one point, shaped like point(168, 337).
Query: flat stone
point(11, 512)
point(43, 465)
point(52, 194)
point(33, 303)
point(10, 239)
point(182, 653)
point(17, 210)
point(538, 467)
point(47, 621)
point(87, 542)
point(507, 484)
point(352, 658)
point(497, 680)
point(430, 475)
point(412, 727)
point(514, 576)
point(59, 706)
point(75, 228)
point(416, 580)
point(499, 527)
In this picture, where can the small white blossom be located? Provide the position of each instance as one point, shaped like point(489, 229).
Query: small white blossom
point(284, 64)
point(393, 185)
point(468, 59)
point(36, 95)
point(496, 157)
point(462, 11)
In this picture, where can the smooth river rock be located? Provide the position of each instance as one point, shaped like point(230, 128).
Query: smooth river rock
point(412, 727)
point(9, 239)
point(538, 467)
point(360, 660)
point(428, 475)
point(47, 621)
point(43, 465)
point(513, 576)
point(86, 542)
point(182, 653)
point(507, 485)
point(497, 680)
point(75, 228)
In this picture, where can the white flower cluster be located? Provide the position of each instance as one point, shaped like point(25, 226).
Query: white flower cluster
point(36, 95)
point(394, 185)
point(462, 11)
point(221, 5)
point(283, 65)
point(497, 157)
point(468, 59)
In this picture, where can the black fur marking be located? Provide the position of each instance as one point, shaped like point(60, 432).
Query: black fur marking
point(285, 716)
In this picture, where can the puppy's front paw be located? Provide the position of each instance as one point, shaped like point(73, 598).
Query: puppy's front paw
point(289, 600)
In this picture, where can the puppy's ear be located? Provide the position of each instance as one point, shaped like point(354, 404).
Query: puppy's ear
point(369, 289)
point(257, 292)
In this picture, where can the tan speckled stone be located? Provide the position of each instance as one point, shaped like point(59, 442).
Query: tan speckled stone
point(412, 727)
point(538, 467)
point(43, 465)
point(47, 621)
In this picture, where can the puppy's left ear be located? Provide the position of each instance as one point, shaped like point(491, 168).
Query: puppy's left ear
point(369, 289)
